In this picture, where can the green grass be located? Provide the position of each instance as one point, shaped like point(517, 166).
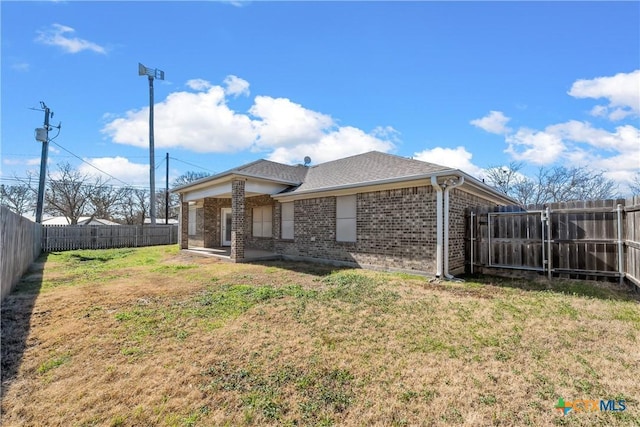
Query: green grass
point(53, 363)
point(159, 338)
point(82, 267)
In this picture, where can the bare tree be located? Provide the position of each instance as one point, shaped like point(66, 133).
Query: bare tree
point(19, 198)
point(134, 206)
point(635, 185)
point(106, 200)
point(557, 184)
point(503, 178)
point(68, 193)
point(188, 177)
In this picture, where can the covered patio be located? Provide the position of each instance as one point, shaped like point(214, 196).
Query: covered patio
point(232, 215)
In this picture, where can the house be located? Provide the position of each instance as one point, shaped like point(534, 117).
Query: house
point(372, 210)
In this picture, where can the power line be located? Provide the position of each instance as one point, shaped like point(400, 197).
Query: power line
point(192, 164)
point(93, 166)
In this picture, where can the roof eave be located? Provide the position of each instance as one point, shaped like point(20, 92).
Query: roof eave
point(227, 176)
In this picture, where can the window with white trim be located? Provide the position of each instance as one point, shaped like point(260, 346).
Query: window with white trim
point(346, 219)
point(262, 221)
point(287, 220)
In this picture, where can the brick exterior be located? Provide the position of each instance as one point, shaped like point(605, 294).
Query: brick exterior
point(213, 221)
point(395, 229)
point(238, 221)
point(460, 200)
point(184, 224)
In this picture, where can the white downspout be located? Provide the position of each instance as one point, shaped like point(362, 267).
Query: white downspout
point(447, 188)
point(434, 183)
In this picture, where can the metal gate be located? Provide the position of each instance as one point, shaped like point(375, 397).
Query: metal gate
point(568, 240)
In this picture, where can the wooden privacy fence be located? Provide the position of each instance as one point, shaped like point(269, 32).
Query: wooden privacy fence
point(593, 239)
point(68, 237)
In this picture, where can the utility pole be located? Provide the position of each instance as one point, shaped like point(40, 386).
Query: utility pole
point(42, 135)
point(166, 194)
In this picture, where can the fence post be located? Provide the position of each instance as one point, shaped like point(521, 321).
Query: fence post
point(549, 255)
point(472, 240)
point(620, 243)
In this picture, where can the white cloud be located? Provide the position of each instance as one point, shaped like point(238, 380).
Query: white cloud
point(457, 158)
point(200, 122)
point(235, 86)
point(203, 122)
point(622, 91)
point(199, 84)
point(285, 123)
point(615, 151)
point(624, 139)
point(494, 122)
point(343, 142)
point(539, 148)
point(120, 167)
point(61, 36)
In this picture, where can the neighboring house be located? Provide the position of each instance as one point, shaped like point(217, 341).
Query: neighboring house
point(83, 220)
point(372, 210)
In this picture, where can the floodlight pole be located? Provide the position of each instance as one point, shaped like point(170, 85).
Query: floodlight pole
point(151, 73)
point(152, 162)
point(43, 163)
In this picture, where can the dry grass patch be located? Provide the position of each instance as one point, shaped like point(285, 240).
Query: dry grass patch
point(156, 337)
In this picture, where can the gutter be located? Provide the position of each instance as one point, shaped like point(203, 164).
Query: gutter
point(434, 184)
point(448, 186)
point(442, 222)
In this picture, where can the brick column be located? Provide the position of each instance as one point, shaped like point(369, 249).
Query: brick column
point(209, 228)
point(237, 222)
point(184, 224)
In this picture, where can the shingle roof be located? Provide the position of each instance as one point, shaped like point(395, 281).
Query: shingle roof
point(272, 170)
point(360, 169)
point(364, 168)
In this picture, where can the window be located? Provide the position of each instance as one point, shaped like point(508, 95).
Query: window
point(287, 220)
point(262, 221)
point(192, 220)
point(346, 218)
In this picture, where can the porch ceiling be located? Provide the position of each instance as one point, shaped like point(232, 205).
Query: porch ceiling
point(223, 190)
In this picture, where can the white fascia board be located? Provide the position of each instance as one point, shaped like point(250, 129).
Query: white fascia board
point(227, 177)
point(364, 187)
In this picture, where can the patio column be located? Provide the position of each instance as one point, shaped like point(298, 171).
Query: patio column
point(184, 224)
point(237, 220)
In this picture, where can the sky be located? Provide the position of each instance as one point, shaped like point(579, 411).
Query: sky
point(469, 85)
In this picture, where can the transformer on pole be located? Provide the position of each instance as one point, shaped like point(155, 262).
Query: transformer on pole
point(42, 135)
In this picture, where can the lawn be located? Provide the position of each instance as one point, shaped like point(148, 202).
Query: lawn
point(153, 336)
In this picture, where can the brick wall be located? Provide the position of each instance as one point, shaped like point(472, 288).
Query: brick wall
point(395, 229)
point(238, 202)
point(460, 200)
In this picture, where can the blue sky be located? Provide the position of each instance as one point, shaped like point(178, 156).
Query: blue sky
point(463, 84)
